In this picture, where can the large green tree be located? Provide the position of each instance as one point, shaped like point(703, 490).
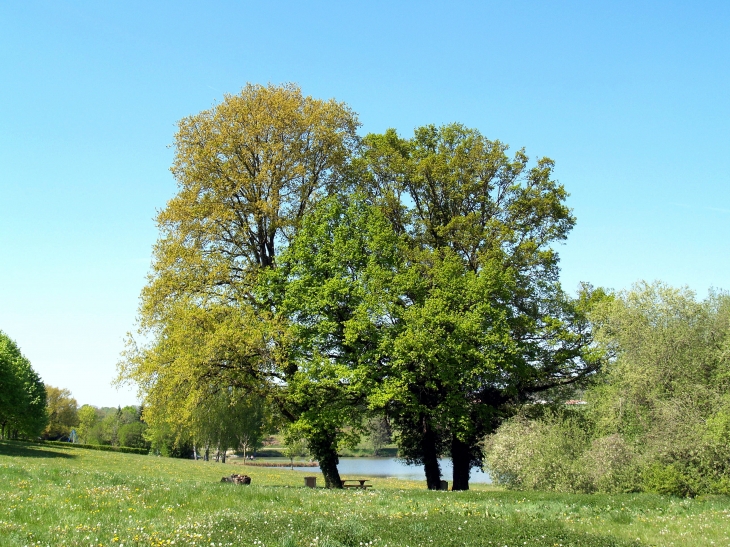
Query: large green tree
point(247, 171)
point(483, 325)
point(331, 290)
point(22, 394)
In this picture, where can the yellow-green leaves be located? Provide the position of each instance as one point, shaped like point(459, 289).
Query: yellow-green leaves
point(248, 168)
point(247, 171)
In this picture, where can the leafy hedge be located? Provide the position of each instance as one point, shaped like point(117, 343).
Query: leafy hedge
point(104, 447)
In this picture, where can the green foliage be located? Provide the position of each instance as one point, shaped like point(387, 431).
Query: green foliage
point(22, 394)
point(132, 435)
point(665, 390)
point(329, 290)
point(666, 479)
point(657, 418)
point(294, 446)
point(112, 426)
point(611, 465)
point(389, 307)
point(542, 454)
point(230, 418)
point(109, 427)
point(425, 288)
point(62, 413)
point(379, 434)
point(479, 321)
point(248, 170)
point(164, 442)
point(88, 419)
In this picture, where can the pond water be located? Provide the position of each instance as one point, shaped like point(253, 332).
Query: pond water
point(393, 468)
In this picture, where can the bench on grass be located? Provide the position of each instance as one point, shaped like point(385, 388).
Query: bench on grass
point(356, 483)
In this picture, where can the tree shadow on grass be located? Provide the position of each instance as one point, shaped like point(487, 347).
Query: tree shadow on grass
point(30, 450)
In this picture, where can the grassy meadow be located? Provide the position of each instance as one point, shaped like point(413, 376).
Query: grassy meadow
point(58, 496)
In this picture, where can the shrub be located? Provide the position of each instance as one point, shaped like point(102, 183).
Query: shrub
point(132, 435)
point(666, 479)
point(543, 454)
point(612, 465)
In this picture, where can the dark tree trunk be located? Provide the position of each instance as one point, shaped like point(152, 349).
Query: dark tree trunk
point(430, 457)
point(461, 461)
point(328, 465)
point(206, 457)
point(323, 447)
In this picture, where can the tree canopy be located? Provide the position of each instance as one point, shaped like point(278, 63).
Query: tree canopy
point(339, 279)
point(484, 323)
point(62, 413)
point(247, 171)
point(22, 394)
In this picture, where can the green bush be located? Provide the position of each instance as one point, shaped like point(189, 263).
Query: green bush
point(658, 414)
point(612, 465)
point(542, 454)
point(666, 479)
point(132, 435)
point(555, 453)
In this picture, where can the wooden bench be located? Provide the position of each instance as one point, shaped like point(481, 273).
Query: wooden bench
point(356, 483)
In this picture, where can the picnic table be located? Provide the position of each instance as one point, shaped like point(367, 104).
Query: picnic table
point(356, 483)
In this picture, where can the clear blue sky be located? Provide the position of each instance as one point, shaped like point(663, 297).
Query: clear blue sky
point(631, 99)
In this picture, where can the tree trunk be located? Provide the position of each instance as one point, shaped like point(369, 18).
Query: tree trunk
point(430, 457)
point(223, 455)
point(328, 464)
point(461, 461)
point(323, 446)
point(206, 457)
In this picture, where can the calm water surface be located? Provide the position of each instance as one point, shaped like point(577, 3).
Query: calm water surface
point(392, 468)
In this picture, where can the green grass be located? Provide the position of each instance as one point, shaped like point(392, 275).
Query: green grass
point(59, 496)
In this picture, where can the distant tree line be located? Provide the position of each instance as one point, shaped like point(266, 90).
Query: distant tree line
point(121, 426)
point(332, 279)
